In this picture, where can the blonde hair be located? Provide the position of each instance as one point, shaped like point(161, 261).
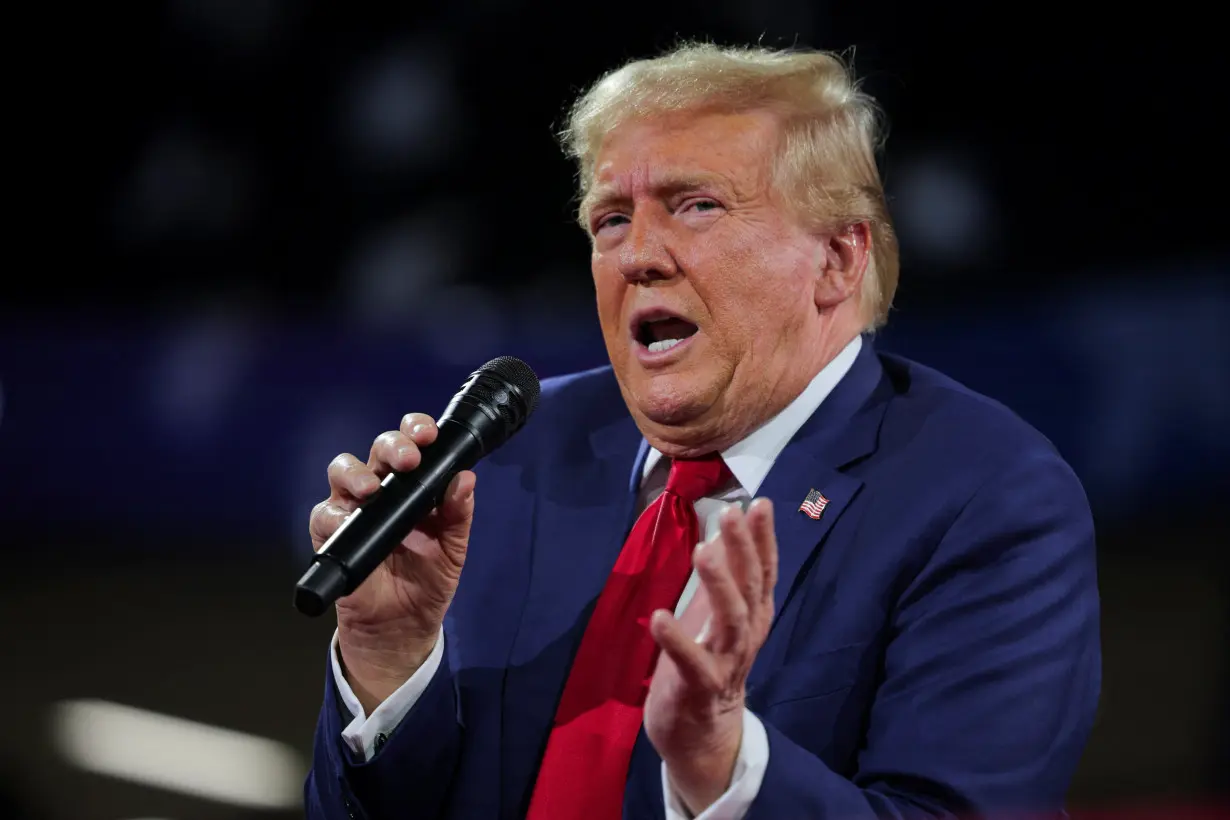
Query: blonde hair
point(825, 161)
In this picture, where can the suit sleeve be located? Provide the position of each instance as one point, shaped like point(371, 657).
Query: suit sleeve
point(366, 734)
point(408, 777)
point(991, 673)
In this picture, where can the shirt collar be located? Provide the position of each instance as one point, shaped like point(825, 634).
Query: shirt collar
point(751, 459)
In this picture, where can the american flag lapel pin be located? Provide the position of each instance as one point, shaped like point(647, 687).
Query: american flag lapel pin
point(814, 504)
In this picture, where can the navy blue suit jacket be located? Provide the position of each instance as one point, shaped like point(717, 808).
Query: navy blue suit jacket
point(935, 649)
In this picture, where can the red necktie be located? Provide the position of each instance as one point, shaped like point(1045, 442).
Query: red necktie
point(585, 767)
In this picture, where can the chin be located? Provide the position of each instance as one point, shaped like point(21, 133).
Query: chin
point(672, 399)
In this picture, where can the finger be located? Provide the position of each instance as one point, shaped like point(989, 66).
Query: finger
point(458, 504)
point(729, 626)
point(393, 451)
point(454, 517)
point(326, 518)
point(419, 428)
point(741, 555)
point(350, 479)
point(760, 521)
point(695, 663)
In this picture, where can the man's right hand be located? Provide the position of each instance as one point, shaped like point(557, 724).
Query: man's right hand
point(389, 625)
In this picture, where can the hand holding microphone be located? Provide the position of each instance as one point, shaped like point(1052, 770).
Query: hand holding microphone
point(391, 537)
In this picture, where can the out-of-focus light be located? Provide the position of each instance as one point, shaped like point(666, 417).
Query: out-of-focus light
point(198, 370)
point(943, 210)
point(400, 110)
point(231, 24)
point(178, 755)
point(183, 186)
point(393, 270)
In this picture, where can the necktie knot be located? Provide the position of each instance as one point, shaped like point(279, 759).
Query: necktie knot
point(695, 478)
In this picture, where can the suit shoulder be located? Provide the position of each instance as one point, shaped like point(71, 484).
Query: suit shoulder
point(597, 382)
point(951, 445)
point(966, 424)
point(570, 406)
point(590, 398)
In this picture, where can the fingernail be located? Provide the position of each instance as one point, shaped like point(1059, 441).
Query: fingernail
point(404, 451)
point(416, 429)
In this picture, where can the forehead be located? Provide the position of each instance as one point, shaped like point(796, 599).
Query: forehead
point(682, 149)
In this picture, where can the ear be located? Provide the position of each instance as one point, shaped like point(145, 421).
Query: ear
point(841, 260)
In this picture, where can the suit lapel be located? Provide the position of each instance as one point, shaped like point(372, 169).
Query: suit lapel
point(844, 429)
point(797, 533)
point(582, 512)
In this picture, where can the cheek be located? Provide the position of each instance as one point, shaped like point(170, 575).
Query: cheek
point(759, 298)
point(608, 291)
point(788, 273)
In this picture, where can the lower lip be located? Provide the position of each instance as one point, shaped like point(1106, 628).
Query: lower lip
point(661, 358)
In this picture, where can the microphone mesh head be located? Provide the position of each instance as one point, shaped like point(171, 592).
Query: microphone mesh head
point(517, 374)
point(505, 387)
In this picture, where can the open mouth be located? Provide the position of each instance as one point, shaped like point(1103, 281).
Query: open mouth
point(660, 333)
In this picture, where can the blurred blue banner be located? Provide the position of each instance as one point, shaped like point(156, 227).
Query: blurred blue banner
point(220, 427)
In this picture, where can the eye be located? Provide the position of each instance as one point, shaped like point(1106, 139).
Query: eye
point(700, 205)
point(609, 221)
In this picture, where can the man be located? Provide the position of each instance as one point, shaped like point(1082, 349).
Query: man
point(905, 623)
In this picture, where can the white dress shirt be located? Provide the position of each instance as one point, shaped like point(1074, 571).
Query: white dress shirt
point(749, 461)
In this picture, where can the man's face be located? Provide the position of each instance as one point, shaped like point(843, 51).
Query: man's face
point(706, 283)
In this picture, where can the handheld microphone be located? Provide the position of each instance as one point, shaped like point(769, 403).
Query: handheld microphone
point(491, 406)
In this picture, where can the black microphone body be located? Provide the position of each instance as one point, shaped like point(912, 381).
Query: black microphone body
point(493, 404)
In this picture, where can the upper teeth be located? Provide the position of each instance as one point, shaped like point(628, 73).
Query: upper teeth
point(663, 344)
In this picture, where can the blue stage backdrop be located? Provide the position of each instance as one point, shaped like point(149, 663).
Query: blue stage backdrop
point(218, 429)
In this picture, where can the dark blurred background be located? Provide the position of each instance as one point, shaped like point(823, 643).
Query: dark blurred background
point(264, 229)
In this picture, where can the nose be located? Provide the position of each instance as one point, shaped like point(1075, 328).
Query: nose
point(644, 255)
